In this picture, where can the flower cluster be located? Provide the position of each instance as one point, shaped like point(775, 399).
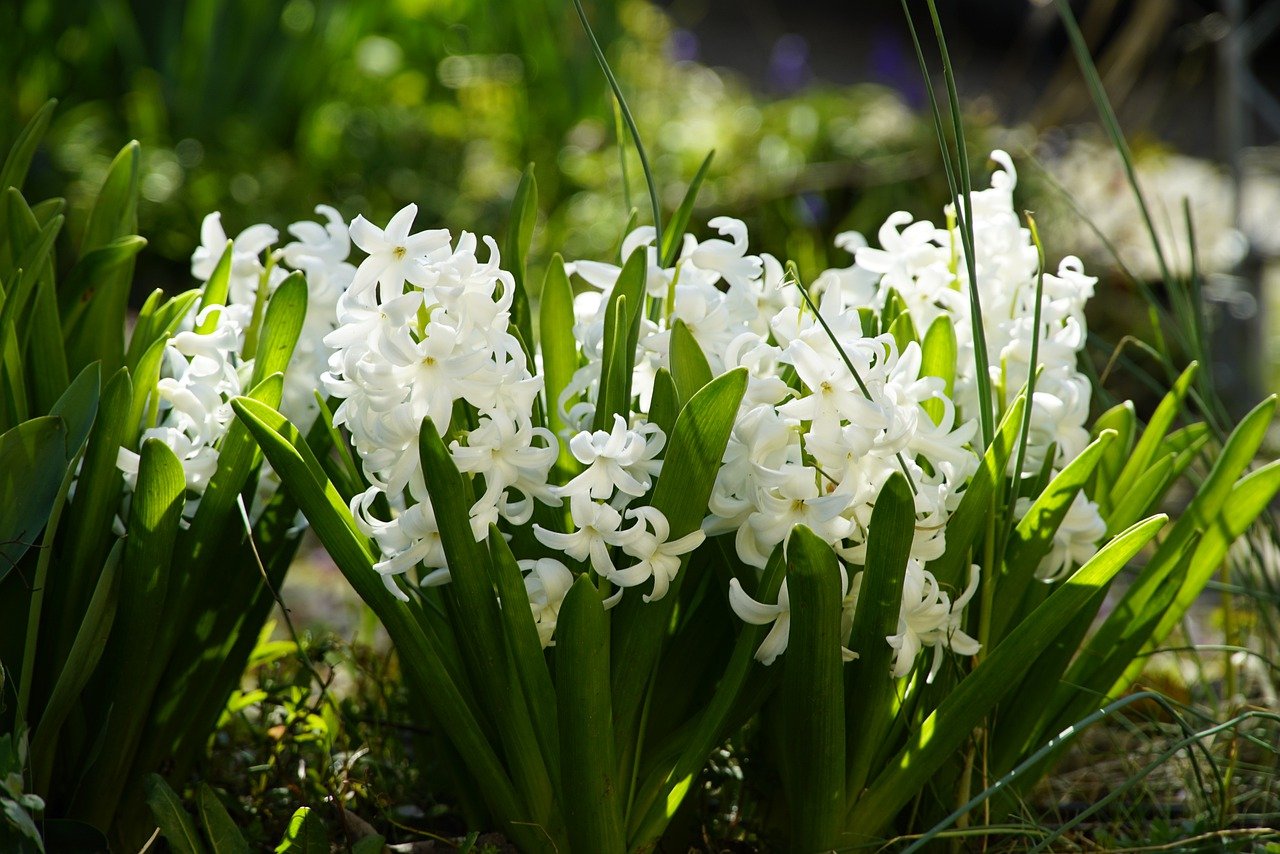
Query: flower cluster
point(423, 328)
point(925, 267)
point(203, 366)
point(837, 402)
point(424, 333)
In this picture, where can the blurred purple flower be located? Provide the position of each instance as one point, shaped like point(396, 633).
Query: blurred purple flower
point(894, 66)
point(789, 64)
point(682, 46)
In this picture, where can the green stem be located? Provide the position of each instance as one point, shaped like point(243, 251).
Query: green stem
point(630, 120)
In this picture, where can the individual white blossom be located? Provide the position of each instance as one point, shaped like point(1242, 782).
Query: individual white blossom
point(546, 582)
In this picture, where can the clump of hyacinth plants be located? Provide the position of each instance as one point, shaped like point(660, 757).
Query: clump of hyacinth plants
point(140, 538)
point(714, 490)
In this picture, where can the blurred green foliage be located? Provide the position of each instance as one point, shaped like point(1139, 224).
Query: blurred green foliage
point(263, 108)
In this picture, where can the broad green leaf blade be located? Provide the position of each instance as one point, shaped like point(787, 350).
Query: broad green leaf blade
point(673, 235)
point(216, 291)
point(159, 325)
point(144, 410)
point(86, 652)
point(133, 664)
point(14, 171)
point(812, 696)
point(78, 406)
point(903, 331)
point(525, 649)
point(1200, 515)
point(474, 606)
point(46, 358)
point(30, 265)
point(115, 210)
point(32, 464)
point(938, 359)
point(559, 350)
point(369, 845)
point(95, 267)
point(1033, 537)
point(223, 835)
point(1122, 419)
point(286, 311)
point(175, 824)
point(1142, 496)
point(306, 834)
point(623, 311)
point(952, 723)
point(664, 408)
point(869, 689)
point(689, 367)
point(663, 792)
point(1161, 420)
point(694, 451)
point(592, 808)
point(204, 549)
point(1248, 499)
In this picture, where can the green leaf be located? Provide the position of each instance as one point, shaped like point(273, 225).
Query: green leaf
point(14, 171)
point(1161, 420)
point(78, 406)
point(689, 367)
point(812, 695)
point(1142, 496)
point(664, 790)
point(515, 251)
point(223, 835)
point(144, 408)
point(86, 651)
point(216, 291)
point(559, 351)
point(32, 464)
point(1122, 419)
point(525, 649)
point(175, 824)
point(1033, 537)
point(1201, 515)
point(695, 448)
point(664, 408)
point(952, 723)
point(46, 357)
point(869, 690)
point(1248, 499)
point(673, 235)
point(158, 321)
point(471, 599)
point(369, 845)
point(592, 811)
point(903, 331)
point(938, 359)
point(30, 266)
point(306, 834)
point(622, 315)
point(133, 665)
point(91, 270)
point(115, 210)
point(286, 311)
